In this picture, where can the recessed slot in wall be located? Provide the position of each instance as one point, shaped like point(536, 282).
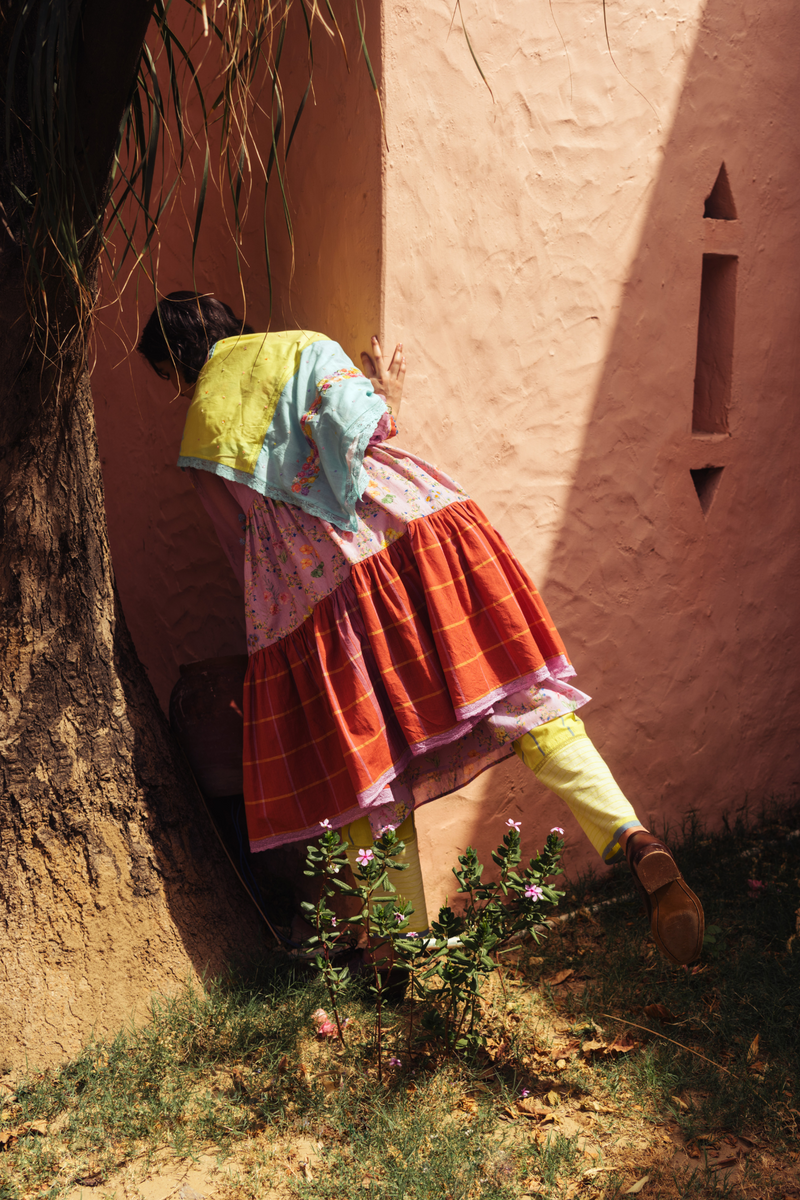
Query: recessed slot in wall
point(706, 481)
point(714, 366)
point(719, 205)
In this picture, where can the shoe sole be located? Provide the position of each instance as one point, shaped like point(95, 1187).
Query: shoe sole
point(677, 922)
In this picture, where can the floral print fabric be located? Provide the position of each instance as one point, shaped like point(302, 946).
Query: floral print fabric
point(293, 560)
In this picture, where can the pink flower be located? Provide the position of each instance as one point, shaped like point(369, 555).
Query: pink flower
point(399, 917)
point(334, 922)
point(557, 829)
point(514, 824)
point(364, 856)
point(284, 598)
point(755, 885)
point(533, 892)
point(394, 1061)
point(524, 1093)
point(326, 824)
point(325, 1026)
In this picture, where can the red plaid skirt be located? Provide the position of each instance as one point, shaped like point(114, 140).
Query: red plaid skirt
point(370, 699)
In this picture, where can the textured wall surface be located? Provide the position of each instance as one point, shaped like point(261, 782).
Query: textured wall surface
point(542, 259)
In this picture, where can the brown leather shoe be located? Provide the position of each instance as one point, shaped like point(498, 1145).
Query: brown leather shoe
point(676, 915)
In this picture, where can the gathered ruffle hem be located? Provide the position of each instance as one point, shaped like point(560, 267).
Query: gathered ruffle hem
point(410, 679)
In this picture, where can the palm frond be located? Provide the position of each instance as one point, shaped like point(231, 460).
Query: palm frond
point(209, 94)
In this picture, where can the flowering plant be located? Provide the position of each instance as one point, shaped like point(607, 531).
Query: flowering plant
point(446, 968)
point(468, 944)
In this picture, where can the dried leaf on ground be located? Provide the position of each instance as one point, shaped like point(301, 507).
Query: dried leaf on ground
point(560, 977)
point(530, 1106)
point(659, 1012)
point(621, 1045)
point(635, 1188)
point(9, 1137)
point(752, 1050)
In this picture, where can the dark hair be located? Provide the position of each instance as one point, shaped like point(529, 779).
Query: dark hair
point(182, 329)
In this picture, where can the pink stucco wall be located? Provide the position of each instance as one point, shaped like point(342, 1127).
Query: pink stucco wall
point(540, 255)
point(549, 283)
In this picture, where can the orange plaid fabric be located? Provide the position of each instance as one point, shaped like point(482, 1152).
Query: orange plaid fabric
point(403, 660)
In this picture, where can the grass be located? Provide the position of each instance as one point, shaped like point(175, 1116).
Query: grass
point(632, 1068)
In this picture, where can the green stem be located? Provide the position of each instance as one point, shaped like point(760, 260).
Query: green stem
point(328, 966)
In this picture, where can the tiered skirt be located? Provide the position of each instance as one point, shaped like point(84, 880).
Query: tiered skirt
point(404, 683)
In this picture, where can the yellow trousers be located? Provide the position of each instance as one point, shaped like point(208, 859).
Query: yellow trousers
point(358, 836)
point(561, 755)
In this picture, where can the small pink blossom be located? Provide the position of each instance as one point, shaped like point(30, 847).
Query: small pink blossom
point(326, 824)
point(514, 824)
point(557, 829)
point(334, 922)
point(398, 916)
point(325, 1026)
point(756, 885)
point(394, 1061)
point(364, 856)
point(533, 892)
point(524, 1093)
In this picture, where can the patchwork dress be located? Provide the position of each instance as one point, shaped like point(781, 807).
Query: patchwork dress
point(396, 649)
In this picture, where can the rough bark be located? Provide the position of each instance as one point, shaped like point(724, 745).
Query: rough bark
point(112, 886)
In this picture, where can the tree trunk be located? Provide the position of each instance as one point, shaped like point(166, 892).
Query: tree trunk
point(112, 884)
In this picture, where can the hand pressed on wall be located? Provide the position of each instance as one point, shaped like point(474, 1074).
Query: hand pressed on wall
point(386, 380)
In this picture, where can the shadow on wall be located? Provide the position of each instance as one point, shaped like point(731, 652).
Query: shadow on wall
point(678, 548)
point(179, 594)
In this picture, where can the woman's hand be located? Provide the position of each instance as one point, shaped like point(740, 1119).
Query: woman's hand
point(386, 380)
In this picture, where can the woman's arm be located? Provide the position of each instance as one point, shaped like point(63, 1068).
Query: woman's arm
point(388, 381)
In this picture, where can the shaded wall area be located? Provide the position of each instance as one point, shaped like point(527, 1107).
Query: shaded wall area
point(180, 597)
point(548, 287)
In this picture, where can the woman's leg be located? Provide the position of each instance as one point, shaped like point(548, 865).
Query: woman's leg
point(409, 884)
point(561, 755)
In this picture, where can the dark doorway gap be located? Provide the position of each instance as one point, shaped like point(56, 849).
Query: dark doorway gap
point(715, 329)
point(719, 204)
point(706, 481)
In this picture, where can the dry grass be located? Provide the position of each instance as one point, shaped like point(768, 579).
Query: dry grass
point(605, 1073)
